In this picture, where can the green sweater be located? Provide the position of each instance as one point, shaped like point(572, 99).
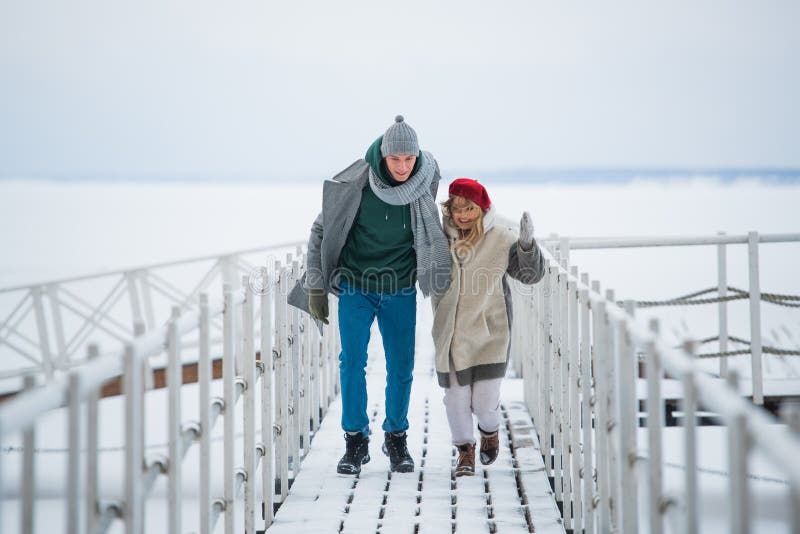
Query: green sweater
point(379, 255)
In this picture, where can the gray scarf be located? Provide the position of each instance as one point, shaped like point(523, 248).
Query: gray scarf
point(430, 243)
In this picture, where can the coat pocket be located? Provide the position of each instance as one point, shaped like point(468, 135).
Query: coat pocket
point(496, 323)
point(487, 331)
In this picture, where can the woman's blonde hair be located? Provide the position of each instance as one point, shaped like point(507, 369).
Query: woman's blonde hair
point(470, 237)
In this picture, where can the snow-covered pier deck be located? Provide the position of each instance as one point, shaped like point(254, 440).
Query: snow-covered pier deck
point(512, 495)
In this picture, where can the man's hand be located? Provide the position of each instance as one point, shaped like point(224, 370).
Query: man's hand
point(526, 232)
point(318, 304)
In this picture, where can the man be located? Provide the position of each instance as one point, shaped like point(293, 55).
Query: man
point(377, 235)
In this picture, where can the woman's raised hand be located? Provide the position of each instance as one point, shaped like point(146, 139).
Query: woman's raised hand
point(526, 231)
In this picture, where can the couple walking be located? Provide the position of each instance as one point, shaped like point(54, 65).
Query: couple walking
point(378, 235)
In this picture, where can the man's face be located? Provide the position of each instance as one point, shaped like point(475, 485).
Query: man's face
point(400, 166)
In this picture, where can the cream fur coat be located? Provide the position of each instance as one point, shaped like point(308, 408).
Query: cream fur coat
point(471, 322)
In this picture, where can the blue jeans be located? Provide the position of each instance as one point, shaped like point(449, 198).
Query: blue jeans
point(397, 319)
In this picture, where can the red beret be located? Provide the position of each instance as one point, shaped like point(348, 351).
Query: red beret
point(472, 190)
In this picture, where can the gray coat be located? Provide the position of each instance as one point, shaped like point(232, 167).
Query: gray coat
point(341, 198)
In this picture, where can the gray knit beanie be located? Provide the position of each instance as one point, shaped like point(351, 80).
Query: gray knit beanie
point(400, 138)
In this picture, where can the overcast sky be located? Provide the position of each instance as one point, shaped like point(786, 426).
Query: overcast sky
point(300, 89)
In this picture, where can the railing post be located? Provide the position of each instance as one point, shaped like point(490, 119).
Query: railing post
point(267, 431)
point(547, 437)
point(58, 324)
point(542, 378)
point(74, 481)
point(294, 370)
point(328, 349)
point(655, 421)
point(755, 318)
point(587, 408)
point(601, 405)
point(281, 390)
point(790, 414)
point(41, 327)
point(305, 391)
point(627, 410)
point(228, 372)
point(558, 419)
point(133, 296)
point(689, 406)
point(1, 477)
point(92, 416)
point(575, 407)
point(147, 297)
point(613, 416)
point(739, 450)
point(306, 396)
point(174, 382)
point(315, 369)
point(322, 361)
point(134, 451)
point(516, 341)
point(515, 353)
point(204, 379)
point(563, 251)
point(563, 393)
point(740, 498)
point(531, 321)
point(249, 409)
point(722, 289)
point(28, 468)
point(325, 370)
point(146, 382)
point(227, 269)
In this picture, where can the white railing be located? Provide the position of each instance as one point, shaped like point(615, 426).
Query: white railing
point(46, 326)
point(298, 378)
point(577, 352)
point(564, 245)
point(578, 362)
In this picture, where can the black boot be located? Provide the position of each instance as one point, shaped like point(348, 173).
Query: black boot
point(356, 454)
point(394, 446)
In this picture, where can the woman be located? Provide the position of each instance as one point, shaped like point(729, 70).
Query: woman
point(472, 320)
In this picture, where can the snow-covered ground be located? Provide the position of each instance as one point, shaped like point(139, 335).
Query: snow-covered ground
point(50, 230)
point(53, 230)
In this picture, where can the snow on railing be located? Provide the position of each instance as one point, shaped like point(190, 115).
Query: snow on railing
point(297, 372)
point(577, 353)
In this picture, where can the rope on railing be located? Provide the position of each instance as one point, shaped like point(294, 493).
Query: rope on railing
point(764, 349)
point(690, 300)
point(718, 472)
point(8, 449)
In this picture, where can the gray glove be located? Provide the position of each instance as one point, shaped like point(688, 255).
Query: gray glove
point(526, 232)
point(318, 304)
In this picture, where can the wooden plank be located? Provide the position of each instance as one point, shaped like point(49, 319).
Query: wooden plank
point(544, 513)
point(507, 509)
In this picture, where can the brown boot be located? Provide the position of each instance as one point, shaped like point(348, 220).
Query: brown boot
point(465, 465)
point(490, 446)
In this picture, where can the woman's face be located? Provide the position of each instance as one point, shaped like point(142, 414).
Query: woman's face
point(464, 212)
